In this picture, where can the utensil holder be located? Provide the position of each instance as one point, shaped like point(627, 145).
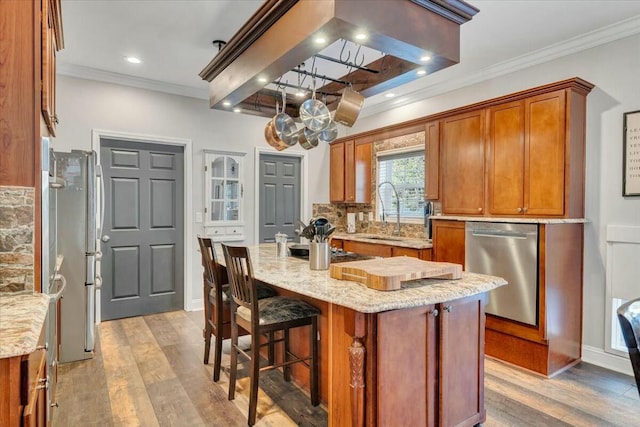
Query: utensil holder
point(319, 255)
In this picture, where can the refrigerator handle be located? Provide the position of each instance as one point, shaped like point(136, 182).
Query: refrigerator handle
point(102, 199)
point(89, 338)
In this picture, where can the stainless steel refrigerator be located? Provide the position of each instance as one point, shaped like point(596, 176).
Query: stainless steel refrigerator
point(77, 234)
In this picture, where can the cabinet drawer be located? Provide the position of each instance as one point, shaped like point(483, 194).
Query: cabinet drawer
point(234, 231)
point(400, 251)
point(215, 232)
point(367, 248)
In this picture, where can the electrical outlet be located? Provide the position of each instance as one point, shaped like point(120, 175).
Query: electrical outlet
point(361, 216)
point(198, 216)
point(370, 216)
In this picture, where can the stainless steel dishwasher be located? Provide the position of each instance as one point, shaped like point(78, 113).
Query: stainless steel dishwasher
point(510, 251)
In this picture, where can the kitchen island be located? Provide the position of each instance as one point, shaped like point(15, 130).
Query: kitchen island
point(412, 356)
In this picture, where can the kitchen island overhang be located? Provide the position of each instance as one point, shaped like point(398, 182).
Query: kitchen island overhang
point(390, 356)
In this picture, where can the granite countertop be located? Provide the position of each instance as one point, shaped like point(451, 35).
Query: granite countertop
point(294, 274)
point(381, 239)
point(21, 319)
point(522, 220)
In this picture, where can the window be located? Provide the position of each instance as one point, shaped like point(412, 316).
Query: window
point(405, 170)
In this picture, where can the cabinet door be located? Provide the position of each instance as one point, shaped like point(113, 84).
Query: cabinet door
point(506, 158)
point(461, 361)
point(407, 367)
point(448, 241)
point(463, 164)
point(48, 68)
point(349, 171)
point(432, 161)
point(35, 412)
point(336, 172)
point(362, 170)
point(401, 251)
point(545, 154)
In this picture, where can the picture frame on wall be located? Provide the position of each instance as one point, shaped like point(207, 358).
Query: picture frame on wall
point(631, 154)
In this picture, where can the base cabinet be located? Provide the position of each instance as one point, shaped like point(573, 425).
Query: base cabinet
point(23, 389)
point(445, 348)
point(381, 250)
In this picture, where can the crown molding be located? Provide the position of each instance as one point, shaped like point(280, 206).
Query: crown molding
point(89, 73)
point(604, 35)
point(619, 30)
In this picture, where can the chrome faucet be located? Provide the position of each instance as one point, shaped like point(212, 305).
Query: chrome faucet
point(396, 232)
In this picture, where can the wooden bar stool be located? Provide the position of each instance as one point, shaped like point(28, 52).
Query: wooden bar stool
point(216, 297)
point(265, 317)
point(629, 318)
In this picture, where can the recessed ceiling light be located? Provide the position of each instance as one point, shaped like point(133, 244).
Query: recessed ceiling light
point(361, 36)
point(425, 58)
point(301, 94)
point(133, 60)
point(236, 110)
point(262, 79)
point(320, 40)
point(421, 72)
point(226, 103)
point(390, 95)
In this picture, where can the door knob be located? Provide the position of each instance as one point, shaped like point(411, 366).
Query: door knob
point(106, 238)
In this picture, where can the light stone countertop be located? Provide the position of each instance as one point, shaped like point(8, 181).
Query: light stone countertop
point(523, 220)
point(293, 274)
point(22, 317)
point(405, 242)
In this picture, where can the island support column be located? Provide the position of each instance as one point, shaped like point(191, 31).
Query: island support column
point(357, 362)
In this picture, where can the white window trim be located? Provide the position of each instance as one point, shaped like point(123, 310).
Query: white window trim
point(392, 152)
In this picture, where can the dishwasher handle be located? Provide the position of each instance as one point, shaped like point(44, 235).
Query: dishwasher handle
point(500, 233)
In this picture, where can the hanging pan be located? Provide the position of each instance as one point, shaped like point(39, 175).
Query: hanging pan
point(349, 107)
point(314, 114)
point(307, 138)
point(283, 125)
point(329, 134)
point(272, 139)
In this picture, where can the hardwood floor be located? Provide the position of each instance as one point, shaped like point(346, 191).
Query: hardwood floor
point(148, 371)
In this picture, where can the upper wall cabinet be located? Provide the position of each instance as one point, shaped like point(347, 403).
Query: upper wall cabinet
point(462, 167)
point(224, 191)
point(536, 156)
point(350, 172)
point(51, 43)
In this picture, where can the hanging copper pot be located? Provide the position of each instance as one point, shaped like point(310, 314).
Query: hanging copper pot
point(272, 139)
point(349, 107)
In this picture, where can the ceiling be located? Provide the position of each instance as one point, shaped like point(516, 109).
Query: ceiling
point(174, 38)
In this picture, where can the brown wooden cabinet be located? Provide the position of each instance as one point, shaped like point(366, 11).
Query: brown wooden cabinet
point(23, 387)
point(432, 161)
point(443, 338)
point(448, 241)
point(462, 164)
point(527, 156)
point(51, 43)
point(350, 172)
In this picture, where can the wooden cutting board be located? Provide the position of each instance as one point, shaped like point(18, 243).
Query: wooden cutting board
point(387, 274)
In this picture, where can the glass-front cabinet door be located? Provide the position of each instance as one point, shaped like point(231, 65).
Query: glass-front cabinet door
point(224, 187)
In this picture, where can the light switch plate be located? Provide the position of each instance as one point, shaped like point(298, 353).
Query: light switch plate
point(361, 216)
point(198, 216)
point(370, 216)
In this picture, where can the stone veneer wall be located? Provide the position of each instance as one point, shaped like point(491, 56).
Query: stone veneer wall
point(16, 238)
point(337, 213)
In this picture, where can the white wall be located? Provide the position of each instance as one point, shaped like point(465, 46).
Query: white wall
point(614, 68)
point(83, 105)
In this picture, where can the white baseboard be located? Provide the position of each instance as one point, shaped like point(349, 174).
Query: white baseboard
point(196, 305)
point(597, 356)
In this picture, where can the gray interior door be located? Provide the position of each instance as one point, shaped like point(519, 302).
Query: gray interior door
point(142, 244)
point(279, 196)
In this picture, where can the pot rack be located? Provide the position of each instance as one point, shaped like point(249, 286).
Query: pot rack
point(282, 35)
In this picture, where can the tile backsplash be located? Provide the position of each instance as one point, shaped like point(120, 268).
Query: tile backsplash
point(16, 238)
